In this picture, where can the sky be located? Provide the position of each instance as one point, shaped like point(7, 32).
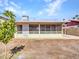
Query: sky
point(42, 10)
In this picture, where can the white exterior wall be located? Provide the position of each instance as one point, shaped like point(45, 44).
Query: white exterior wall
point(24, 34)
point(25, 29)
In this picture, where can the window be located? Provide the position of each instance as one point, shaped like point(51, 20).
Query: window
point(42, 27)
point(33, 29)
point(47, 27)
point(52, 28)
point(58, 28)
point(19, 28)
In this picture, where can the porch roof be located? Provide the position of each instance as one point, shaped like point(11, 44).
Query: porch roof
point(36, 23)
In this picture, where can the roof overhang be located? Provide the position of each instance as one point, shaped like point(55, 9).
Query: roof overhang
point(50, 23)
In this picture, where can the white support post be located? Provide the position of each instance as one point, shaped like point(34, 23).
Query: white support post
point(62, 28)
point(65, 29)
point(16, 29)
point(56, 29)
point(21, 29)
point(28, 28)
point(39, 28)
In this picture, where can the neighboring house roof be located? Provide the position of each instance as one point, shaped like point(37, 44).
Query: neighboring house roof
point(72, 23)
point(3, 18)
point(75, 20)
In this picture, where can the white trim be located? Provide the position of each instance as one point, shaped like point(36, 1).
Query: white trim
point(39, 28)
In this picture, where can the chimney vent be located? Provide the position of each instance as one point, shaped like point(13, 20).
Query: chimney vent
point(25, 18)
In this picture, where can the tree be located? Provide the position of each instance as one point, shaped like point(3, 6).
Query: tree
point(76, 17)
point(7, 28)
point(73, 18)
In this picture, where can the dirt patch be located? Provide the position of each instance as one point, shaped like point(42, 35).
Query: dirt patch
point(46, 49)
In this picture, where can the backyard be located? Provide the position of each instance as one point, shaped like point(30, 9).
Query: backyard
point(43, 49)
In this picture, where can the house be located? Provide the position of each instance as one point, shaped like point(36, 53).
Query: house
point(72, 24)
point(2, 19)
point(72, 27)
point(33, 29)
point(42, 29)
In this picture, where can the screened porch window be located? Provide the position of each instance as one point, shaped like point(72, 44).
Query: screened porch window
point(53, 28)
point(33, 29)
point(49, 29)
point(19, 29)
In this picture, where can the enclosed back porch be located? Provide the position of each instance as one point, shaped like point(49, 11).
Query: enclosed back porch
point(40, 30)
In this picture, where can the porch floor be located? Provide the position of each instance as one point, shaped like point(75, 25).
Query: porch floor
point(45, 36)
